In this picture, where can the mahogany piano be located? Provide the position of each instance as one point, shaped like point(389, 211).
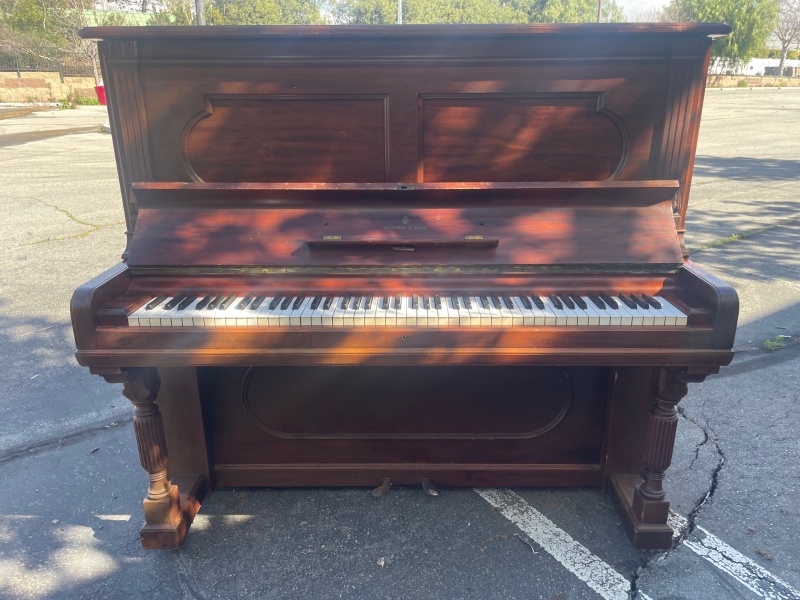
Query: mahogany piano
point(436, 255)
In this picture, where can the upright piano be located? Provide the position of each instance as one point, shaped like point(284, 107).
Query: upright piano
point(418, 255)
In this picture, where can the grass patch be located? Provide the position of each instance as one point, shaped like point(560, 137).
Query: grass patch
point(743, 235)
point(776, 343)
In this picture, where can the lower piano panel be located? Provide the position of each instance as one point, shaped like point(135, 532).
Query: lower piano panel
point(288, 426)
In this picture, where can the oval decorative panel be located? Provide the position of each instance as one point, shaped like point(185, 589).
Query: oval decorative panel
point(443, 402)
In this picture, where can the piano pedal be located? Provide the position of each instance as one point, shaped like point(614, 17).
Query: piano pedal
point(383, 488)
point(429, 488)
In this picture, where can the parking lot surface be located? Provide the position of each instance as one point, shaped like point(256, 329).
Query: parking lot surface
point(70, 506)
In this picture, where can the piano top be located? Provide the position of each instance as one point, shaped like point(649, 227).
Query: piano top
point(341, 31)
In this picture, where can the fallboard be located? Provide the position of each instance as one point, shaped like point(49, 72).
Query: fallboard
point(573, 227)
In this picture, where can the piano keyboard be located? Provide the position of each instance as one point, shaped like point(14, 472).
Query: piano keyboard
point(423, 310)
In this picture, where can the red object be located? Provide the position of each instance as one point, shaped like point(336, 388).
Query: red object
point(101, 93)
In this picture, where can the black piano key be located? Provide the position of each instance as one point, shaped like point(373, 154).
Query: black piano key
point(579, 302)
point(275, 302)
point(155, 302)
point(467, 302)
point(437, 302)
point(651, 301)
point(385, 304)
point(567, 301)
point(415, 302)
point(245, 302)
point(398, 302)
point(326, 304)
point(258, 301)
point(359, 303)
point(538, 302)
point(227, 302)
point(640, 303)
point(204, 302)
point(215, 302)
point(482, 302)
point(174, 302)
point(556, 302)
point(286, 302)
point(597, 301)
point(627, 301)
point(426, 302)
point(345, 302)
point(526, 302)
point(186, 301)
point(454, 302)
point(609, 301)
point(496, 301)
point(368, 303)
point(508, 302)
point(315, 302)
point(297, 302)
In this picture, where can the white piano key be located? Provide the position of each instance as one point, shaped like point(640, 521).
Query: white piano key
point(561, 317)
point(631, 317)
point(262, 314)
point(591, 312)
point(328, 314)
point(159, 312)
point(139, 317)
point(227, 317)
point(339, 312)
point(387, 312)
point(357, 307)
point(371, 318)
point(527, 315)
point(680, 318)
point(307, 315)
point(455, 305)
point(296, 316)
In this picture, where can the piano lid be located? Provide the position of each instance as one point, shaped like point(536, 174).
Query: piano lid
point(504, 103)
point(499, 228)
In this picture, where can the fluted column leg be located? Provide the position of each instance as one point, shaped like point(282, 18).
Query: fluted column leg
point(166, 520)
point(649, 499)
point(640, 497)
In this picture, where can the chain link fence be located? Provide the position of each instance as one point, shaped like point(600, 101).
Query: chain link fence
point(64, 63)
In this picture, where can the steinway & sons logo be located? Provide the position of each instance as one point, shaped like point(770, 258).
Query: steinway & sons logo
point(405, 226)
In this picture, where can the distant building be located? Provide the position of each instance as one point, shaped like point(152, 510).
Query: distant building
point(757, 67)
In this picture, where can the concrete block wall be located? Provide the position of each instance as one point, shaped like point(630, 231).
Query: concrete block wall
point(43, 87)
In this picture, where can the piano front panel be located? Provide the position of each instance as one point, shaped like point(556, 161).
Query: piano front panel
point(407, 418)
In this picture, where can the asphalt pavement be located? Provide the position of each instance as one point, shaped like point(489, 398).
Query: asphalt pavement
point(70, 503)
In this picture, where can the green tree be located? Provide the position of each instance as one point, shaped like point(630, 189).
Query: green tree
point(569, 11)
point(473, 11)
point(263, 12)
point(788, 28)
point(173, 12)
point(752, 22)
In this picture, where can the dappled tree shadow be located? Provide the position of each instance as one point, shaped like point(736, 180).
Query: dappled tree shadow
point(747, 168)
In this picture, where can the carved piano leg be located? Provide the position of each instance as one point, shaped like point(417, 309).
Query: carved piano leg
point(168, 514)
point(641, 501)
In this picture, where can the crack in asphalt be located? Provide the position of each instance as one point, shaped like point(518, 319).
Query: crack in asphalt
point(93, 226)
point(709, 435)
point(76, 436)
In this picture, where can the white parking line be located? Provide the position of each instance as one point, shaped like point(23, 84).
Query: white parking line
point(754, 577)
point(577, 559)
